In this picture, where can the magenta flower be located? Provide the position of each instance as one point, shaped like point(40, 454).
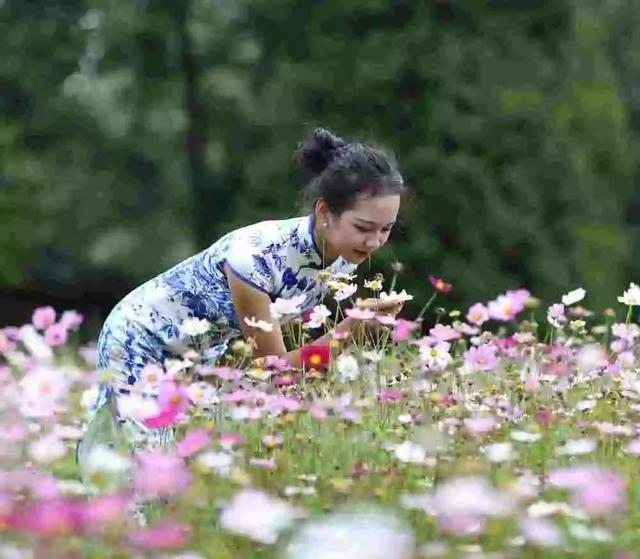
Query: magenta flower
point(165, 418)
point(389, 396)
point(193, 442)
point(55, 335)
point(167, 534)
point(478, 314)
point(43, 317)
point(403, 329)
point(159, 474)
point(51, 517)
point(440, 284)
point(173, 396)
point(482, 358)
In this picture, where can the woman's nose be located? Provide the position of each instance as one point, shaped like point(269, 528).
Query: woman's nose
point(373, 241)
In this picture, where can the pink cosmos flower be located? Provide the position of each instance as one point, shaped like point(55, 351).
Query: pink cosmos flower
point(360, 314)
point(596, 490)
point(481, 424)
point(555, 315)
point(403, 329)
point(223, 373)
point(276, 362)
point(286, 380)
point(231, 440)
point(482, 357)
point(51, 518)
point(6, 344)
point(103, 511)
point(507, 306)
point(159, 474)
point(264, 463)
point(55, 335)
point(193, 442)
point(152, 375)
point(478, 314)
point(173, 396)
point(444, 333)
point(167, 534)
point(71, 320)
point(43, 317)
point(389, 396)
point(556, 360)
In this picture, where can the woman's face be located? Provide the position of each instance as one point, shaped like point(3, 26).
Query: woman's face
point(360, 231)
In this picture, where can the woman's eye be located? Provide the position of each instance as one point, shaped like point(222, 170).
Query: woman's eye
point(362, 229)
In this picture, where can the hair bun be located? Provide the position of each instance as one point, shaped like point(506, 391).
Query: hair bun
point(319, 150)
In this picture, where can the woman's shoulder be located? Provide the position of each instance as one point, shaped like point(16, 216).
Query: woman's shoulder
point(267, 232)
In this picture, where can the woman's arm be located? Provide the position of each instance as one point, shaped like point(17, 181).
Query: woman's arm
point(250, 302)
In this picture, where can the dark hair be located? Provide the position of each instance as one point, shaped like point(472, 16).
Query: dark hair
point(341, 171)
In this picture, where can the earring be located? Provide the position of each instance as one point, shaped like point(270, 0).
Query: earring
point(325, 224)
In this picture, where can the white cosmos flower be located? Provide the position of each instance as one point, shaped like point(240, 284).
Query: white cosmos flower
point(259, 324)
point(47, 448)
point(401, 297)
point(499, 452)
point(347, 366)
point(194, 326)
point(282, 307)
point(525, 436)
point(104, 460)
point(137, 407)
point(409, 452)
point(631, 297)
point(573, 296)
point(220, 463)
point(318, 316)
point(258, 516)
point(345, 291)
point(353, 533)
point(577, 447)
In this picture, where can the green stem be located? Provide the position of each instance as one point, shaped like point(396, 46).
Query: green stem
point(426, 306)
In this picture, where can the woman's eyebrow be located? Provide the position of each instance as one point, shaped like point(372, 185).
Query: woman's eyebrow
point(373, 222)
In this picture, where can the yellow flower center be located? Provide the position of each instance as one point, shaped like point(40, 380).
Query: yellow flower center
point(315, 359)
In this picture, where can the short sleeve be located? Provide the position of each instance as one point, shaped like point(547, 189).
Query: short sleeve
point(248, 262)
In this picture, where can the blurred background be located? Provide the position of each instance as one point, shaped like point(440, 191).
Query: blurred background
point(136, 132)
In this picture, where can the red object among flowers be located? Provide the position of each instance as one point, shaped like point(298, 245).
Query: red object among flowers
point(315, 356)
point(440, 284)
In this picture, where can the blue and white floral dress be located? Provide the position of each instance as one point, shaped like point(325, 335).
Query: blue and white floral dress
point(280, 258)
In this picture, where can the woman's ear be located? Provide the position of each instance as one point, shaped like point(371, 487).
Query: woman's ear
point(322, 212)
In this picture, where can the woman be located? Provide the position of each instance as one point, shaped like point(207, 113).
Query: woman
point(355, 194)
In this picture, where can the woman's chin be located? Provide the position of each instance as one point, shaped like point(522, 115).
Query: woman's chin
point(356, 256)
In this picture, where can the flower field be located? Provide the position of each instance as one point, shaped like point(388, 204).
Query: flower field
point(503, 430)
